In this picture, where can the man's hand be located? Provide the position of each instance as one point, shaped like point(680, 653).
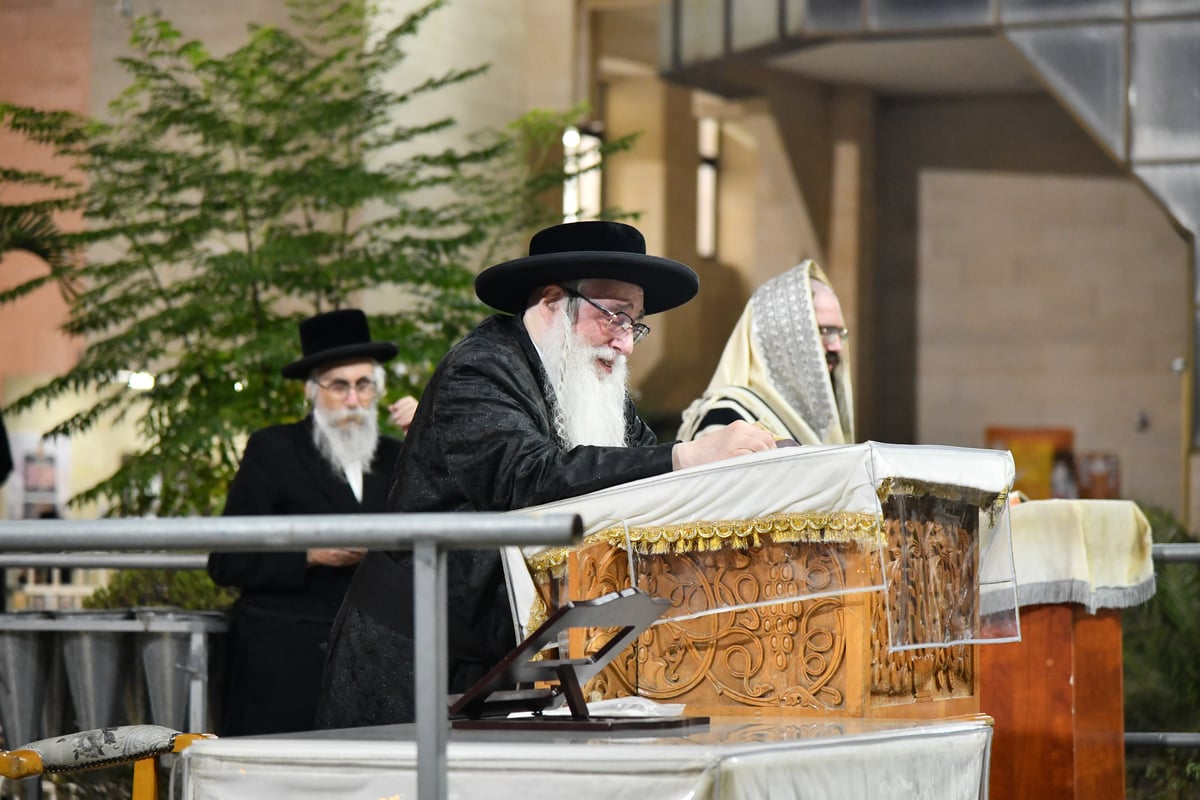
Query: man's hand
point(335, 556)
point(402, 412)
point(735, 439)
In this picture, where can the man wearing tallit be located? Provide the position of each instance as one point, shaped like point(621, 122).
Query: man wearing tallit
point(785, 366)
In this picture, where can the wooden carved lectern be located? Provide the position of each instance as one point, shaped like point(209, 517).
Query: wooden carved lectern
point(839, 581)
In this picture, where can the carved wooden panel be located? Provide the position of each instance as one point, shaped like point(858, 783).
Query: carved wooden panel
point(931, 563)
point(738, 640)
point(764, 654)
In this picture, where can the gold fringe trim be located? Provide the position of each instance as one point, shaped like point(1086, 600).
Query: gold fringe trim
point(537, 618)
point(692, 537)
point(991, 503)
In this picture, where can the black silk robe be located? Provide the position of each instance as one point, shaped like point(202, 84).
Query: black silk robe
point(280, 624)
point(482, 440)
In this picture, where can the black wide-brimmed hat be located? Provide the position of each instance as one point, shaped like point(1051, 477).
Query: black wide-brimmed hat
point(336, 336)
point(582, 251)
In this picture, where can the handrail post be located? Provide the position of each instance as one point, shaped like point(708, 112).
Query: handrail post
point(431, 661)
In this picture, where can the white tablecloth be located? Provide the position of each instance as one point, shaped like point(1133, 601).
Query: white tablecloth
point(729, 760)
point(1093, 552)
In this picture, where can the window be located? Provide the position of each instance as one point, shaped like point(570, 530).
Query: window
point(582, 190)
point(709, 131)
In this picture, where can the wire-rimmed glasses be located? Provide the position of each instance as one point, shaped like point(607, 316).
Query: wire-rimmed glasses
point(832, 334)
point(340, 389)
point(619, 323)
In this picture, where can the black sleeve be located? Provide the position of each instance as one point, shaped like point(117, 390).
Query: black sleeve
point(719, 416)
point(257, 489)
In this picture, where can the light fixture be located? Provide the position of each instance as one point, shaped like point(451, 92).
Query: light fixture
point(138, 381)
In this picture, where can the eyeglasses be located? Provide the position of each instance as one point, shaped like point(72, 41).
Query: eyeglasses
point(619, 323)
point(340, 389)
point(830, 334)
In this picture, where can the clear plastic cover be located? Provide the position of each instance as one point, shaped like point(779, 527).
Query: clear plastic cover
point(949, 572)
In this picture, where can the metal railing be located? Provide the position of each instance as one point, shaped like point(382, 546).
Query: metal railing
point(429, 536)
point(91, 560)
point(1175, 553)
point(1172, 553)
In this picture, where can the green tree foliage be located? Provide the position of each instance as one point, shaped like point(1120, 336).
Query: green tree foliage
point(1162, 671)
point(191, 590)
point(29, 226)
point(229, 197)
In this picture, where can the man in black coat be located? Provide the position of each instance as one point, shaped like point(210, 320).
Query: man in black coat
point(333, 461)
point(532, 406)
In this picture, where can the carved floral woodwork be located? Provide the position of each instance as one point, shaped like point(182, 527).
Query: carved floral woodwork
point(792, 623)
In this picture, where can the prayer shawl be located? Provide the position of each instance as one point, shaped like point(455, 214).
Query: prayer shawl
point(773, 370)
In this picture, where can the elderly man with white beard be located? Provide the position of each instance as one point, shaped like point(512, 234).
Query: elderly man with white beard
point(532, 406)
point(332, 461)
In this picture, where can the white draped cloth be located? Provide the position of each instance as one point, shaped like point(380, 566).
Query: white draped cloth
point(1093, 552)
point(831, 478)
point(738, 759)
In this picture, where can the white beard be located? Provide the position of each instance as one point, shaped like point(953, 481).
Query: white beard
point(346, 445)
point(589, 406)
